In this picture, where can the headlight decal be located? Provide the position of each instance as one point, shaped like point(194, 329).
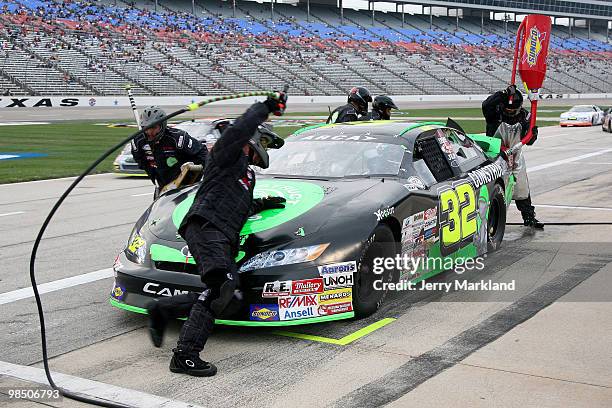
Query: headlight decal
point(137, 249)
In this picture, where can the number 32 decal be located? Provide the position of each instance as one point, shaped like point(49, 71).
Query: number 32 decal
point(459, 206)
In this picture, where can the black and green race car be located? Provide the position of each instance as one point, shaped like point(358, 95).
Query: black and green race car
point(356, 193)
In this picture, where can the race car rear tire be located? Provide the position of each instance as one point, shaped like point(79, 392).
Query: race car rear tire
point(496, 221)
point(367, 300)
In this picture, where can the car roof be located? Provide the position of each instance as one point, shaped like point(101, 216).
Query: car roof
point(386, 131)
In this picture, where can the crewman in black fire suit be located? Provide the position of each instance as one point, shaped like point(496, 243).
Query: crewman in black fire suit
point(161, 151)
point(355, 109)
point(211, 228)
point(506, 106)
point(381, 108)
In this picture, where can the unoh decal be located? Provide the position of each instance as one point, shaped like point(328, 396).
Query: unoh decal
point(301, 197)
point(15, 156)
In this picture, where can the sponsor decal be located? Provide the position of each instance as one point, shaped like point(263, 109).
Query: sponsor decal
point(118, 292)
point(338, 280)
point(350, 266)
point(186, 253)
point(336, 308)
point(117, 264)
point(302, 287)
point(419, 231)
point(533, 46)
point(336, 296)
point(289, 302)
point(446, 147)
point(263, 313)
point(171, 161)
point(276, 289)
point(430, 218)
point(300, 232)
point(156, 289)
point(247, 180)
point(297, 307)
point(35, 102)
point(414, 183)
point(485, 175)
point(298, 313)
point(92, 101)
point(384, 213)
point(136, 243)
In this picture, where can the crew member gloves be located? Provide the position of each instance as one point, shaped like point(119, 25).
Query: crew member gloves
point(277, 104)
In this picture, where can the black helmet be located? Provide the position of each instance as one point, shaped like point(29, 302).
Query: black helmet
point(264, 139)
point(361, 97)
point(150, 115)
point(381, 104)
point(512, 105)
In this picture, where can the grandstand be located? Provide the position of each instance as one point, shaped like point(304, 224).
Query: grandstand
point(162, 48)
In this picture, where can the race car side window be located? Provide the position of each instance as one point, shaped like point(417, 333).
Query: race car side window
point(429, 161)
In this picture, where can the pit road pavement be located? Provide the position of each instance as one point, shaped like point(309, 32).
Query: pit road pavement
point(547, 344)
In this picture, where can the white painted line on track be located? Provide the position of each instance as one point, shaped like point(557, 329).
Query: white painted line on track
point(12, 213)
point(23, 123)
point(142, 194)
point(95, 389)
point(53, 179)
point(568, 160)
point(572, 207)
point(25, 293)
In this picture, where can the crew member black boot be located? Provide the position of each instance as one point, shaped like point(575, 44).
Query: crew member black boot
point(529, 220)
point(191, 364)
point(528, 212)
point(157, 323)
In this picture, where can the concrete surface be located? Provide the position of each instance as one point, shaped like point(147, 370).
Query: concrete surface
point(461, 349)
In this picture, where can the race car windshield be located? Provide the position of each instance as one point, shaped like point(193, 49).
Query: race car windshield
point(335, 159)
point(581, 109)
point(196, 130)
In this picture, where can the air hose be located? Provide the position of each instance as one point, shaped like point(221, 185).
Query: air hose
point(191, 107)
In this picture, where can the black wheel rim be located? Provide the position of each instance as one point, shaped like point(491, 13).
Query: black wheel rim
point(494, 213)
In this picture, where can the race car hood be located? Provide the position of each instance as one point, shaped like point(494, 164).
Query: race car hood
point(311, 205)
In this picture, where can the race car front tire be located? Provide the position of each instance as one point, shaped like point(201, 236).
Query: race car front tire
point(496, 221)
point(367, 299)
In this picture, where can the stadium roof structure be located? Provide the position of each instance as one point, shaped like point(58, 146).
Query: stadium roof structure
point(578, 9)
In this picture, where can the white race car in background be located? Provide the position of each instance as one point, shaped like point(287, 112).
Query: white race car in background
point(205, 130)
point(582, 115)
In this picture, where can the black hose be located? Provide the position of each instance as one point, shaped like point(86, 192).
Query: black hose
point(43, 335)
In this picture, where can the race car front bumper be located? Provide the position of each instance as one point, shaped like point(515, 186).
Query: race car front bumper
point(136, 285)
point(575, 123)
